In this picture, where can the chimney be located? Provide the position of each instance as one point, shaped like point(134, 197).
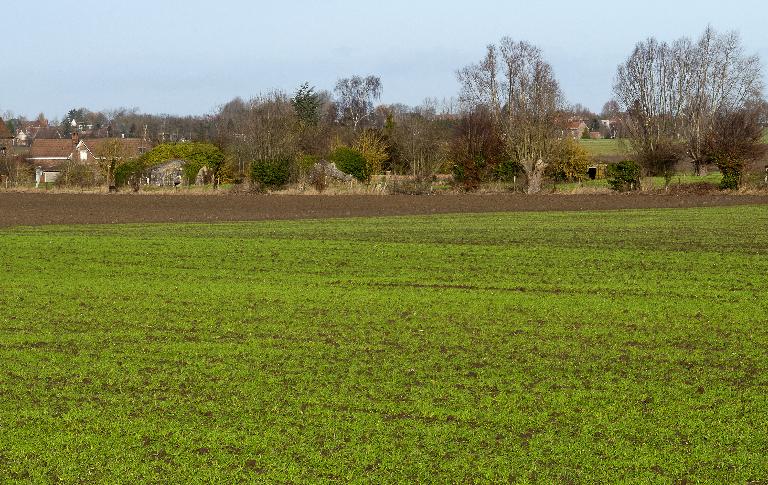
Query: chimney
point(75, 138)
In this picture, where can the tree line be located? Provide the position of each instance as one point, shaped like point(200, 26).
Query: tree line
point(699, 101)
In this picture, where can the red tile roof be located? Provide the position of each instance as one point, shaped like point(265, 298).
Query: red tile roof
point(50, 148)
point(133, 146)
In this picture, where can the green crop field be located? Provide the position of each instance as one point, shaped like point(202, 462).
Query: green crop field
point(712, 178)
point(607, 147)
point(601, 347)
point(618, 147)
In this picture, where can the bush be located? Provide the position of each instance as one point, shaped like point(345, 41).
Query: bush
point(470, 172)
point(661, 161)
point(624, 176)
point(351, 161)
point(75, 174)
point(730, 180)
point(507, 170)
point(196, 155)
point(271, 174)
point(571, 161)
point(129, 173)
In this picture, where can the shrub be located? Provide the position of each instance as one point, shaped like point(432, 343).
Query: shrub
point(351, 161)
point(196, 155)
point(730, 180)
point(271, 174)
point(374, 149)
point(571, 161)
point(129, 173)
point(507, 170)
point(624, 176)
point(469, 172)
point(77, 174)
point(661, 161)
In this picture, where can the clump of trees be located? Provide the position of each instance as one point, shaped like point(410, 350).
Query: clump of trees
point(678, 98)
point(512, 104)
point(735, 140)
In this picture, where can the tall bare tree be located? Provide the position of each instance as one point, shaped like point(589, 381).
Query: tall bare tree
point(672, 92)
point(423, 141)
point(611, 109)
point(356, 96)
point(519, 89)
point(263, 128)
point(651, 86)
point(724, 80)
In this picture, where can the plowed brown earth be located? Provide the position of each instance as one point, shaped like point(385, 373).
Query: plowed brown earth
point(41, 208)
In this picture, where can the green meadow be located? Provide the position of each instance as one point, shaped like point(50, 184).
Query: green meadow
point(582, 347)
point(616, 147)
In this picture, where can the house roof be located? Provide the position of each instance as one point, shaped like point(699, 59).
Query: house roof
point(50, 148)
point(50, 153)
point(576, 125)
point(133, 146)
point(51, 133)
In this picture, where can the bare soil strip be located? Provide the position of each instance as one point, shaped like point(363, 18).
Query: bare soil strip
point(31, 209)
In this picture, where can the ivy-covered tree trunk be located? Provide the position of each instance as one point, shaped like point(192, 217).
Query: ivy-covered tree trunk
point(731, 176)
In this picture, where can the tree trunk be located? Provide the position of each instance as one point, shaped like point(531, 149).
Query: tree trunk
point(534, 172)
point(699, 168)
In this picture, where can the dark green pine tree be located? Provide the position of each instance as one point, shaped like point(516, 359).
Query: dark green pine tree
point(306, 102)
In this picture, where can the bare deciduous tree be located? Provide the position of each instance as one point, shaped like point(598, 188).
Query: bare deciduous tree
point(520, 90)
point(734, 141)
point(356, 95)
point(651, 86)
point(108, 155)
point(724, 80)
point(672, 93)
point(423, 143)
point(611, 109)
point(263, 129)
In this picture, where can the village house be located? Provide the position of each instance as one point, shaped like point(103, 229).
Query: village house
point(49, 156)
point(575, 129)
point(22, 139)
point(37, 129)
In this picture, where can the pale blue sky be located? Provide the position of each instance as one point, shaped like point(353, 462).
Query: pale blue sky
point(189, 56)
